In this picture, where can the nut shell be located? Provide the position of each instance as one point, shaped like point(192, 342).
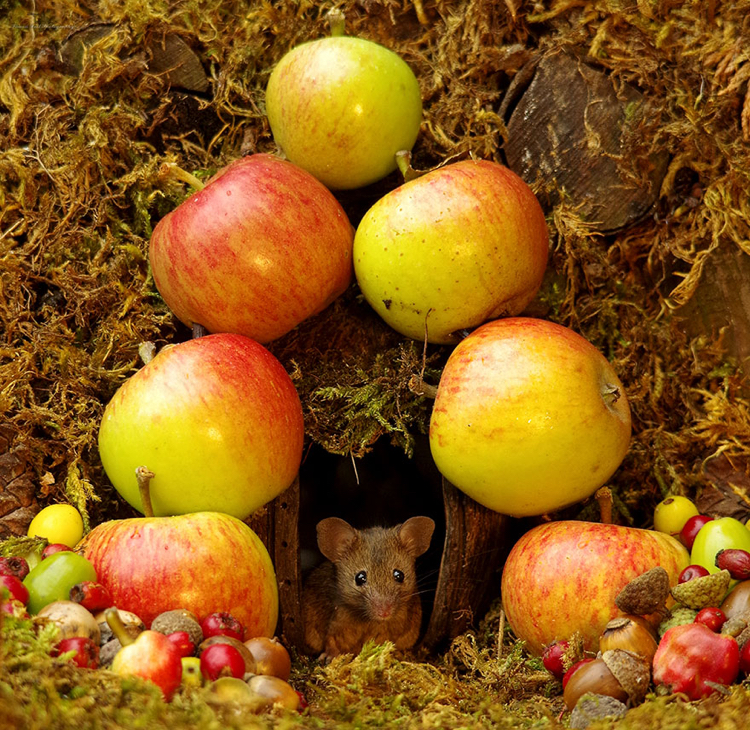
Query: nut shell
point(645, 594)
point(708, 590)
point(178, 620)
point(593, 677)
point(630, 633)
point(738, 600)
point(72, 619)
point(631, 670)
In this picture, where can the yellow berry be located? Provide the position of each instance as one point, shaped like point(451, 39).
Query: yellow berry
point(672, 513)
point(59, 523)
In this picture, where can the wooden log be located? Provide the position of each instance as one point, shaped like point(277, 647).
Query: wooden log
point(18, 503)
point(566, 131)
point(277, 525)
point(475, 546)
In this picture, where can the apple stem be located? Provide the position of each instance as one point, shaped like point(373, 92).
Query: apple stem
point(112, 617)
point(336, 22)
point(604, 498)
point(144, 477)
point(199, 330)
point(403, 160)
point(169, 169)
point(419, 387)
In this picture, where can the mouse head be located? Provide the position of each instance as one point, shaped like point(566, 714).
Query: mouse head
point(375, 572)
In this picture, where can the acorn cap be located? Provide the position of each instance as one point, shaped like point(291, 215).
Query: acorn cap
point(679, 616)
point(631, 670)
point(645, 594)
point(591, 707)
point(708, 590)
point(178, 620)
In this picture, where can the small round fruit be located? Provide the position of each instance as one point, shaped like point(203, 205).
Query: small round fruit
point(54, 547)
point(231, 641)
point(691, 572)
point(15, 587)
point(181, 640)
point(221, 623)
point(86, 651)
point(745, 658)
point(72, 619)
point(191, 672)
point(221, 660)
point(691, 528)
point(712, 617)
point(552, 658)
point(53, 578)
point(14, 566)
point(58, 523)
point(271, 657)
point(672, 513)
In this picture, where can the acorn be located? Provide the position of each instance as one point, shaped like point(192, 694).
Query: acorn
point(645, 594)
point(708, 590)
point(631, 633)
point(178, 620)
point(592, 677)
point(631, 670)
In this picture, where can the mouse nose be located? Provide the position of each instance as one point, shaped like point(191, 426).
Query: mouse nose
point(382, 608)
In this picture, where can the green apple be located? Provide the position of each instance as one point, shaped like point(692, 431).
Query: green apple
point(341, 107)
point(562, 578)
point(722, 534)
point(449, 250)
point(529, 417)
point(52, 578)
point(217, 419)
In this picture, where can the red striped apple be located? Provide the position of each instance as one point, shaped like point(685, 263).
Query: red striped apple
point(451, 249)
point(204, 562)
point(261, 248)
point(562, 577)
point(529, 417)
point(217, 419)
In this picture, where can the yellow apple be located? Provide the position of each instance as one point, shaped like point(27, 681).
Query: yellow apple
point(451, 249)
point(529, 417)
point(563, 577)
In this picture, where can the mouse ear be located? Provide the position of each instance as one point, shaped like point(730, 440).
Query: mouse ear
point(415, 534)
point(335, 537)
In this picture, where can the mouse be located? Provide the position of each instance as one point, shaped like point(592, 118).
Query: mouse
point(367, 587)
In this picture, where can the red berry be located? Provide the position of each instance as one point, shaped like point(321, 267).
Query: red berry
point(745, 658)
point(93, 596)
point(221, 660)
point(573, 668)
point(712, 617)
point(692, 571)
point(181, 639)
point(16, 589)
point(86, 651)
point(221, 623)
point(52, 548)
point(692, 528)
point(14, 566)
point(552, 658)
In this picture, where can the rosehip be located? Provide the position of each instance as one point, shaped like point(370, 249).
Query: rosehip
point(736, 561)
point(691, 572)
point(692, 528)
point(86, 651)
point(14, 566)
point(93, 596)
point(17, 590)
point(222, 624)
point(712, 617)
point(221, 660)
point(745, 658)
point(181, 639)
point(552, 658)
point(55, 547)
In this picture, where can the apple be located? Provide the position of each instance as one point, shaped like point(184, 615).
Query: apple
point(217, 419)
point(451, 249)
point(262, 247)
point(341, 107)
point(202, 562)
point(529, 417)
point(716, 535)
point(563, 577)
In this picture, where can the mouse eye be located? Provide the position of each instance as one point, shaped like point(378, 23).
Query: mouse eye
point(398, 576)
point(361, 578)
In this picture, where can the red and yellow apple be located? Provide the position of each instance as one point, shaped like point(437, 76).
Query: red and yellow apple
point(217, 419)
point(529, 417)
point(562, 577)
point(260, 249)
point(203, 562)
point(451, 249)
point(341, 107)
